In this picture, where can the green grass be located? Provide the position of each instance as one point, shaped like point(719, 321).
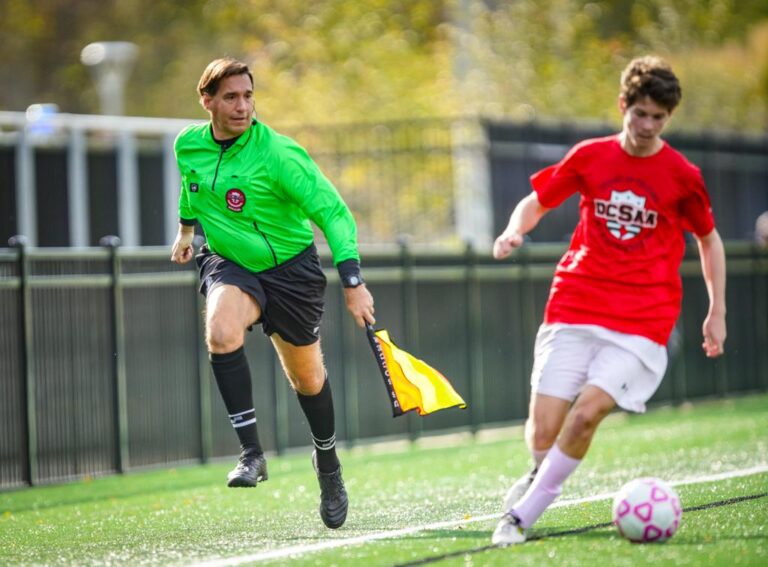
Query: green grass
point(187, 515)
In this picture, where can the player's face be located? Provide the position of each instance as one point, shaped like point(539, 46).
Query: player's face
point(644, 122)
point(231, 107)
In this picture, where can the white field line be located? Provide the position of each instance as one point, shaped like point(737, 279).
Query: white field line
point(390, 534)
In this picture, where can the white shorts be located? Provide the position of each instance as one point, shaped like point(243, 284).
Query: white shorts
point(629, 368)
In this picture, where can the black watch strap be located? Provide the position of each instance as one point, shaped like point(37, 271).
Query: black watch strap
point(349, 273)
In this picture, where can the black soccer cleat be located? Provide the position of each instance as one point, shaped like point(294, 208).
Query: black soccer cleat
point(333, 496)
point(250, 470)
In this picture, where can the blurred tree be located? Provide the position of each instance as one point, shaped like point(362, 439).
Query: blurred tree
point(331, 61)
point(562, 58)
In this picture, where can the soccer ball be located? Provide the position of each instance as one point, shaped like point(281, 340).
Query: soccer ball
point(647, 510)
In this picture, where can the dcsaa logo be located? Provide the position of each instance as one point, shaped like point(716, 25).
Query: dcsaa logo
point(625, 214)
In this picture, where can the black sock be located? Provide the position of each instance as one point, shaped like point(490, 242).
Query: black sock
point(319, 412)
point(233, 376)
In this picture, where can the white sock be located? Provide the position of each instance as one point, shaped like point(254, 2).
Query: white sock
point(556, 467)
point(538, 457)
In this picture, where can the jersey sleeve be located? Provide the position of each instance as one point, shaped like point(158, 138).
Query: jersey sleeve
point(554, 184)
point(186, 216)
point(696, 209)
point(301, 180)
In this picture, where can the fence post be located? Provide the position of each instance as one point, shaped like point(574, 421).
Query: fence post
point(118, 355)
point(281, 395)
point(760, 329)
point(203, 371)
point(528, 315)
point(204, 384)
point(474, 340)
point(26, 189)
point(676, 368)
point(410, 318)
point(28, 360)
point(349, 373)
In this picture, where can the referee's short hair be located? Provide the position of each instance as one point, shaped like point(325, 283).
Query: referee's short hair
point(219, 69)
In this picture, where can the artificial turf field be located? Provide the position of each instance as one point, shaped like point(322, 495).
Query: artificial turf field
point(434, 501)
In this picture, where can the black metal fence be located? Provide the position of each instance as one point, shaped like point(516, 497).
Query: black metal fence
point(734, 167)
point(436, 180)
point(103, 368)
point(120, 177)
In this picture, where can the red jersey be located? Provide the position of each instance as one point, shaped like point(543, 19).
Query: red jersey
point(621, 270)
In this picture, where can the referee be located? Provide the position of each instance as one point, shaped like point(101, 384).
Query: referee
point(254, 193)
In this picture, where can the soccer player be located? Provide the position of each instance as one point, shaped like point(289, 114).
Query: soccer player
point(761, 230)
point(616, 292)
point(254, 193)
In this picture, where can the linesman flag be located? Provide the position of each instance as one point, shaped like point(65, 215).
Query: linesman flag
point(411, 383)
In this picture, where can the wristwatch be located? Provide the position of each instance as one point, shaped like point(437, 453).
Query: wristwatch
point(352, 280)
point(349, 273)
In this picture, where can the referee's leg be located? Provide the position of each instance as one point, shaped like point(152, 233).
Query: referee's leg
point(303, 365)
point(229, 311)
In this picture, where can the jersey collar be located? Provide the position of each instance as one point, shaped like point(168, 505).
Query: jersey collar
point(238, 144)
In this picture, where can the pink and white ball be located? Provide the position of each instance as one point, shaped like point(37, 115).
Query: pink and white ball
point(647, 510)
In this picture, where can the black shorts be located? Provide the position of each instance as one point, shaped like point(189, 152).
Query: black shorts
point(291, 295)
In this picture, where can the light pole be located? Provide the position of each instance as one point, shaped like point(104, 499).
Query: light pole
point(111, 63)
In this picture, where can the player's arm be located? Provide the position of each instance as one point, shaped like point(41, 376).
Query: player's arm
point(182, 250)
point(524, 219)
point(712, 255)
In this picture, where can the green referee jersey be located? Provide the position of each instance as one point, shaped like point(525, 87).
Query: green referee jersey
point(255, 199)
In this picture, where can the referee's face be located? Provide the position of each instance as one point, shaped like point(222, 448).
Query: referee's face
point(231, 108)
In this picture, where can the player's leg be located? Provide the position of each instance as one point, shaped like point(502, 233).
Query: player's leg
point(563, 458)
point(592, 405)
point(617, 375)
point(546, 415)
point(562, 355)
point(229, 311)
point(303, 365)
point(582, 421)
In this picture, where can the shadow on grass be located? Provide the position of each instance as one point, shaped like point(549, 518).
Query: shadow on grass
point(124, 486)
point(449, 534)
point(588, 531)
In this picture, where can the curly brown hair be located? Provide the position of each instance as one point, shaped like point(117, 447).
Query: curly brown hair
point(219, 69)
point(650, 76)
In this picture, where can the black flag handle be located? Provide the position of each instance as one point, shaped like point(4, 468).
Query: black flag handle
point(381, 362)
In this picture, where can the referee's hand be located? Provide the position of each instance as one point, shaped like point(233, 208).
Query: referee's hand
point(182, 250)
point(360, 304)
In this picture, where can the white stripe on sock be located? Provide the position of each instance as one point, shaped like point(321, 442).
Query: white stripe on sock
point(324, 444)
point(252, 410)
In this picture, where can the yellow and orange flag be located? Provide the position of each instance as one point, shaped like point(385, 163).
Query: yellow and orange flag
point(411, 383)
